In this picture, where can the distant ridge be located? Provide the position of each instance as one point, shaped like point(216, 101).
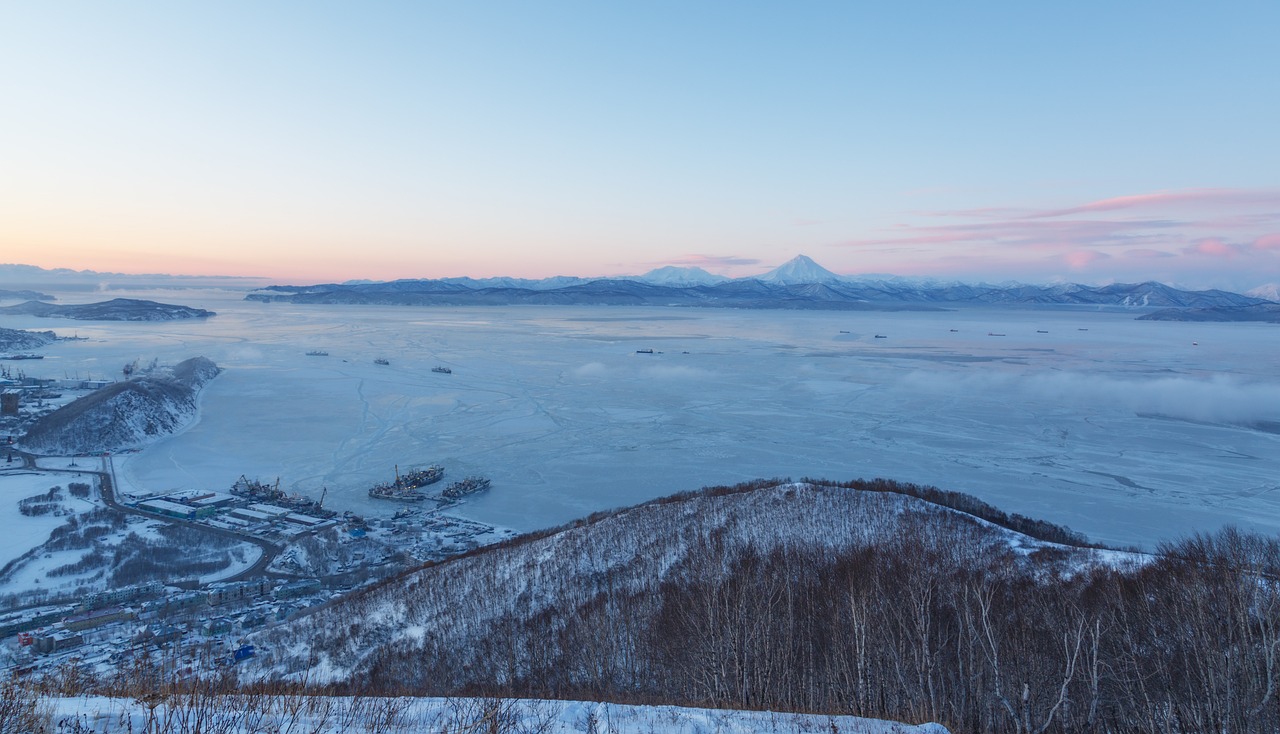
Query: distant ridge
point(800, 283)
point(1264, 312)
point(117, 309)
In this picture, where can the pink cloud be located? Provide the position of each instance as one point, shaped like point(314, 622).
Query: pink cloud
point(1213, 247)
point(1193, 234)
point(1267, 242)
point(1080, 259)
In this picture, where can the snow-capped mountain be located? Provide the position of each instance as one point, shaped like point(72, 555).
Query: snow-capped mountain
point(1269, 291)
point(799, 270)
point(678, 276)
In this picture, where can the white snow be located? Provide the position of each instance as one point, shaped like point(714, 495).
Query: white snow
point(1269, 291)
point(1129, 432)
point(799, 270)
point(678, 276)
point(22, 533)
point(101, 714)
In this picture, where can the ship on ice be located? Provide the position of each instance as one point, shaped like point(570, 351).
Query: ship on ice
point(405, 487)
point(462, 488)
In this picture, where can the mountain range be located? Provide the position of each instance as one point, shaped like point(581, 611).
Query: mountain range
point(799, 283)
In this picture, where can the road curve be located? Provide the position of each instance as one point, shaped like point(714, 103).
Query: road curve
point(107, 484)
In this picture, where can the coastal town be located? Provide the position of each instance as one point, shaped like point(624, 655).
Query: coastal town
point(306, 556)
point(278, 556)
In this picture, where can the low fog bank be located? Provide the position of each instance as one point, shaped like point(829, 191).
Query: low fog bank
point(1208, 399)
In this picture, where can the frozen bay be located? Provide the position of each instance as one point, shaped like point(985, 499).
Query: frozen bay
point(1128, 431)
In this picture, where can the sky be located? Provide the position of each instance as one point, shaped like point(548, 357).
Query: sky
point(320, 141)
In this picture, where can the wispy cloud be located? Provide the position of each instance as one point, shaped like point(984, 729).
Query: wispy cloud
point(1213, 247)
point(1021, 232)
point(1267, 242)
point(1182, 200)
point(1209, 235)
point(1149, 254)
point(710, 261)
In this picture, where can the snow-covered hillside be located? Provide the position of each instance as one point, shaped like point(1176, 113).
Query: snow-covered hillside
point(125, 414)
point(18, 339)
point(585, 607)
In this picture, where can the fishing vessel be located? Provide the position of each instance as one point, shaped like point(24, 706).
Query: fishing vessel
point(467, 486)
point(405, 488)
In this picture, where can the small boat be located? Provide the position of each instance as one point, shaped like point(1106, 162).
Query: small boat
point(992, 333)
point(644, 351)
point(881, 336)
point(442, 370)
point(954, 331)
point(842, 331)
point(317, 353)
point(1041, 331)
point(381, 361)
point(1081, 329)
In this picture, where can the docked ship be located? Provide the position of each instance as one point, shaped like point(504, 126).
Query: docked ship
point(257, 491)
point(460, 489)
point(405, 488)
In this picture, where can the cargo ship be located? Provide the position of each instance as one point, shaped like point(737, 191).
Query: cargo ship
point(467, 486)
point(405, 488)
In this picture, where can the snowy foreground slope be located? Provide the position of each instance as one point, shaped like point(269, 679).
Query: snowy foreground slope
point(124, 414)
point(462, 604)
point(250, 715)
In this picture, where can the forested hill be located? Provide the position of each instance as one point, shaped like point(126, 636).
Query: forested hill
point(124, 414)
point(823, 598)
point(117, 309)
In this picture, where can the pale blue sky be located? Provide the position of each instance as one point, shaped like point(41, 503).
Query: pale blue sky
point(320, 141)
